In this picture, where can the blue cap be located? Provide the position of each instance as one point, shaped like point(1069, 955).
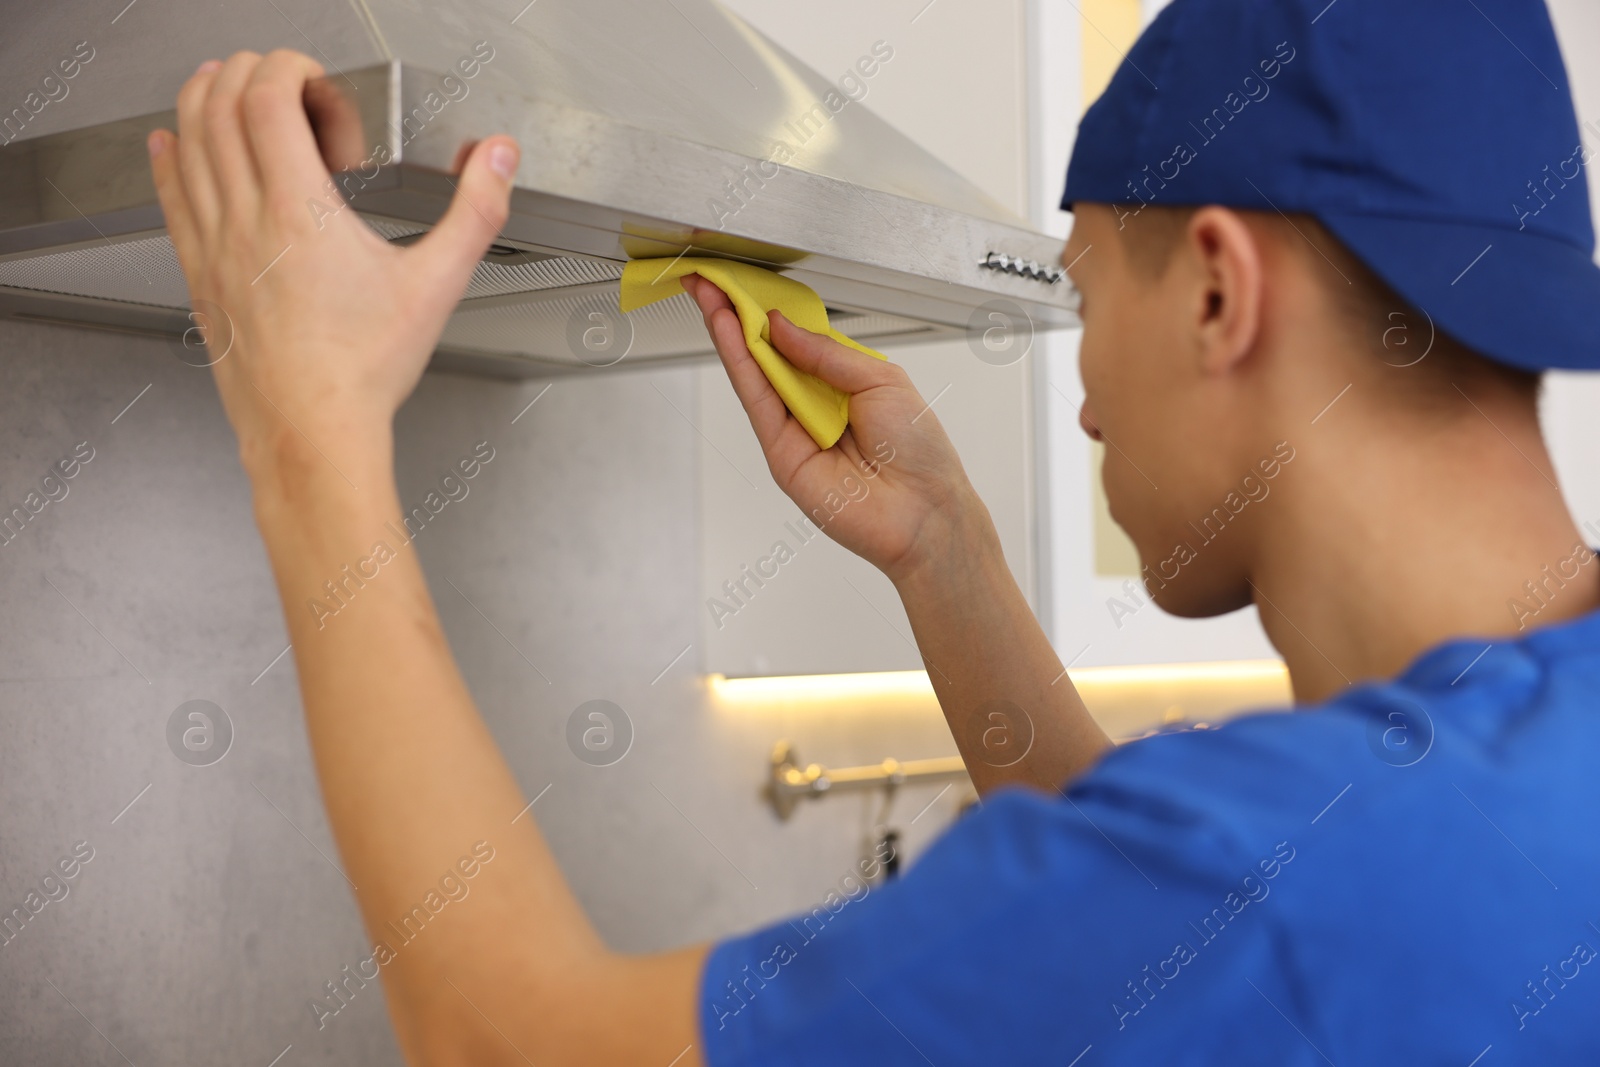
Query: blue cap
point(1435, 138)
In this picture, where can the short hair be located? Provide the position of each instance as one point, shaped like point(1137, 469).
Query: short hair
point(1372, 309)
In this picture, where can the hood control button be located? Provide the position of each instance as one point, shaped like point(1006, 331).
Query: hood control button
point(1023, 268)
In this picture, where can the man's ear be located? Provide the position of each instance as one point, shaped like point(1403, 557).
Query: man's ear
point(1229, 275)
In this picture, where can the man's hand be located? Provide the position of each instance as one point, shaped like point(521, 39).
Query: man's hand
point(920, 493)
point(1014, 715)
point(319, 326)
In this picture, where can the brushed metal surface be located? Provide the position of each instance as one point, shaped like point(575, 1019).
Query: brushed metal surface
point(648, 129)
point(689, 69)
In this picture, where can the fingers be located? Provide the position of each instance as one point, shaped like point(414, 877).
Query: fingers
point(227, 145)
point(839, 365)
point(447, 256)
point(705, 294)
point(784, 442)
point(194, 165)
point(761, 402)
point(273, 103)
point(168, 177)
point(337, 123)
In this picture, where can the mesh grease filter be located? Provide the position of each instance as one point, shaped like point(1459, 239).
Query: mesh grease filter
point(564, 294)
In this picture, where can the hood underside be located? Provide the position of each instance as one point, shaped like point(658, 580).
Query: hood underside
point(649, 128)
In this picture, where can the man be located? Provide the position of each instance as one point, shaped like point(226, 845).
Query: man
point(1401, 871)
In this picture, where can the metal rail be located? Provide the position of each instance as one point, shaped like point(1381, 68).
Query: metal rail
point(789, 783)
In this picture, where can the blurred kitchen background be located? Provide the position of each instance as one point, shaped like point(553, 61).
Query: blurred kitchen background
point(577, 568)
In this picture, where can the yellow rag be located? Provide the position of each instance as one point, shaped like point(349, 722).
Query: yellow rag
point(823, 410)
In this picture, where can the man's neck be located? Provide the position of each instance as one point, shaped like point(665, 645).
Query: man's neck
point(1393, 540)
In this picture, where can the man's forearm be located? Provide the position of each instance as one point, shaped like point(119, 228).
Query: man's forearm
point(1015, 715)
point(485, 955)
point(413, 783)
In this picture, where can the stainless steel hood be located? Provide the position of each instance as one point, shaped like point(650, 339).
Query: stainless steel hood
point(648, 128)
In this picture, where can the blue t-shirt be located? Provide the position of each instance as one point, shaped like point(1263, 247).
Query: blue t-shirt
point(1408, 874)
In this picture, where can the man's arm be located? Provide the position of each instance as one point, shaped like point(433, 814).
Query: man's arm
point(1015, 715)
point(413, 782)
point(330, 330)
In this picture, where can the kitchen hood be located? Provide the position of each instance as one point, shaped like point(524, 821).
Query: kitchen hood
point(649, 128)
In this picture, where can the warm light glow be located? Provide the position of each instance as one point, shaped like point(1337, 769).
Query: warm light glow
point(1125, 701)
point(1222, 672)
point(804, 687)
